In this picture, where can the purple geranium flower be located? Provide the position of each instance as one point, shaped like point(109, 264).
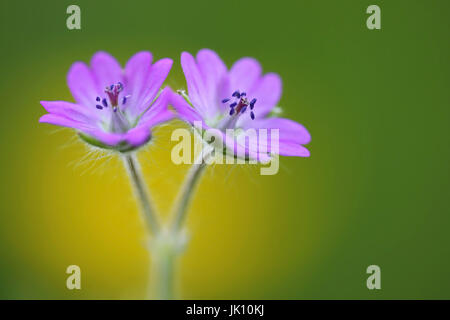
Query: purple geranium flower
point(115, 108)
point(240, 98)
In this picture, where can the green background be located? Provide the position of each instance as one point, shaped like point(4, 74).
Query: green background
point(374, 191)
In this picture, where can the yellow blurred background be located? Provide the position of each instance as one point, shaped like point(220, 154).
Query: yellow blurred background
point(374, 191)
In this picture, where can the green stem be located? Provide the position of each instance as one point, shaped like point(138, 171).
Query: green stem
point(166, 273)
point(164, 251)
point(136, 177)
point(185, 194)
point(168, 244)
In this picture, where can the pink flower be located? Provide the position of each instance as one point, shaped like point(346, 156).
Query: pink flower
point(240, 98)
point(115, 108)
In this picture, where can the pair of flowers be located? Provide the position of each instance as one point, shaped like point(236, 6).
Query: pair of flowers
point(116, 108)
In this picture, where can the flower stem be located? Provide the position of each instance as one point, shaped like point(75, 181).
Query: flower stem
point(164, 273)
point(134, 171)
point(168, 244)
point(185, 194)
point(164, 251)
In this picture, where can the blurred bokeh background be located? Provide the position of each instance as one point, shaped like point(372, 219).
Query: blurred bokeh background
point(374, 191)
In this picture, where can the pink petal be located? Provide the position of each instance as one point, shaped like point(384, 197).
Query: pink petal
point(264, 143)
point(157, 76)
point(196, 86)
point(243, 147)
point(213, 71)
point(164, 116)
point(137, 70)
point(267, 91)
point(158, 112)
point(138, 136)
point(82, 84)
point(106, 70)
point(64, 122)
point(107, 138)
point(244, 74)
point(72, 111)
point(289, 130)
point(143, 80)
point(184, 110)
point(224, 92)
point(292, 149)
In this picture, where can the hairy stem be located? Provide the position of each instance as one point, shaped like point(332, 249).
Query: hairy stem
point(185, 195)
point(165, 271)
point(187, 191)
point(136, 177)
point(164, 252)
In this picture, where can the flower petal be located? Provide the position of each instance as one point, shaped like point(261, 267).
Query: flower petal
point(267, 91)
point(107, 138)
point(106, 70)
point(157, 76)
point(144, 80)
point(184, 110)
point(196, 86)
point(213, 71)
point(292, 149)
point(266, 143)
point(263, 143)
point(158, 111)
point(289, 130)
point(244, 74)
point(72, 111)
point(224, 92)
point(138, 136)
point(243, 147)
point(82, 84)
point(64, 122)
point(136, 74)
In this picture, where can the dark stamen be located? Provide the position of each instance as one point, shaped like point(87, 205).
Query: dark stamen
point(240, 103)
point(104, 102)
point(125, 99)
point(97, 99)
point(99, 107)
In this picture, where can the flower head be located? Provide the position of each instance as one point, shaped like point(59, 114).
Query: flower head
point(240, 98)
point(115, 108)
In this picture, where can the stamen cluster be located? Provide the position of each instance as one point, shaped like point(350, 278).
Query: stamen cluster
point(112, 92)
point(239, 103)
